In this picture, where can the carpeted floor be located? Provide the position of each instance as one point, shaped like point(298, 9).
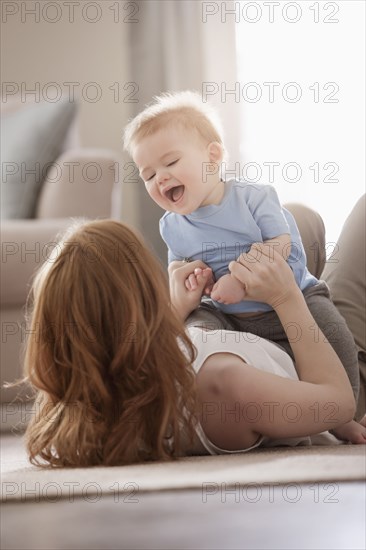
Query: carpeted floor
point(327, 463)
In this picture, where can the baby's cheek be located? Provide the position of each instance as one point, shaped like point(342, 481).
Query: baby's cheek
point(154, 195)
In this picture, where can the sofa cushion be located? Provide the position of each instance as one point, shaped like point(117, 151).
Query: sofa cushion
point(17, 102)
point(25, 245)
point(32, 139)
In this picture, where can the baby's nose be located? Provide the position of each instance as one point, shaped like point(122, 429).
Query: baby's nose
point(163, 176)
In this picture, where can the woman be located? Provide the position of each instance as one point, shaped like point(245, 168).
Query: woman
point(112, 364)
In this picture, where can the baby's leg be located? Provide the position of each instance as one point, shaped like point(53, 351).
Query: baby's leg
point(209, 317)
point(228, 290)
point(266, 325)
point(335, 330)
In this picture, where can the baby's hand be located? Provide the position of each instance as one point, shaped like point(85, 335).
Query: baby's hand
point(228, 290)
point(354, 432)
point(191, 281)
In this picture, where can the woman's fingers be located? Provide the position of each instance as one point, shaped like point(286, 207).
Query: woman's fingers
point(242, 273)
point(265, 275)
point(259, 253)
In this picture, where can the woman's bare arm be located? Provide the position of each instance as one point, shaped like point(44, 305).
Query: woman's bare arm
point(322, 399)
point(270, 279)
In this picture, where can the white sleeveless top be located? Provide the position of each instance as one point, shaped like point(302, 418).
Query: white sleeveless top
point(261, 354)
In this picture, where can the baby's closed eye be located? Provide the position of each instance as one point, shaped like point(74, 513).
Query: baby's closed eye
point(170, 164)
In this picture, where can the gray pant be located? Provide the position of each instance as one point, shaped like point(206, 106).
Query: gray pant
point(267, 325)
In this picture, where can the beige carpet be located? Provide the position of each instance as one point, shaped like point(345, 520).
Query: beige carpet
point(284, 465)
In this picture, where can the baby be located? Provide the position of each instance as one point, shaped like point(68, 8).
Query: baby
point(177, 145)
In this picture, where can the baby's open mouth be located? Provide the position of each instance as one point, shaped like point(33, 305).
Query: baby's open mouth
point(175, 193)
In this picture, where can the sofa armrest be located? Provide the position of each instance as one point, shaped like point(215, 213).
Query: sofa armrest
point(82, 182)
point(312, 231)
point(25, 245)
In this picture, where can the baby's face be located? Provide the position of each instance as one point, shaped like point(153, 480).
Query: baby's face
point(175, 166)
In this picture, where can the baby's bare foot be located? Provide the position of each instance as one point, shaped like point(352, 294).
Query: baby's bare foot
point(228, 290)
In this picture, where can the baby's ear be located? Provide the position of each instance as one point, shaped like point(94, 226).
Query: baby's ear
point(215, 151)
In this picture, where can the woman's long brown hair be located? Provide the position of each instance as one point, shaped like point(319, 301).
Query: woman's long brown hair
point(109, 360)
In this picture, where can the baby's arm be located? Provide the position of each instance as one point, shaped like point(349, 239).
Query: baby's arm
point(282, 244)
point(228, 290)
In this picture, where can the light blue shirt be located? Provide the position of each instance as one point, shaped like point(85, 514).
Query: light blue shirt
point(217, 234)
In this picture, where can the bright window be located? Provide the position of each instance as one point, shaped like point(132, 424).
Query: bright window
point(301, 84)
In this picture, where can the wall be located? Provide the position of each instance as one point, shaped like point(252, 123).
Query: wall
point(306, 137)
point(73, 49)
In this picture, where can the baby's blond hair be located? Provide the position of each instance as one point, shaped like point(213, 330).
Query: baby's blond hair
point(185, 108)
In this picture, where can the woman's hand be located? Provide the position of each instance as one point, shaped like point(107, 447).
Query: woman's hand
point(265, 275)
point(353, 432)
point(186, 296)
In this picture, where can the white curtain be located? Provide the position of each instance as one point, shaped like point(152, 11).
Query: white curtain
point(177, 45)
